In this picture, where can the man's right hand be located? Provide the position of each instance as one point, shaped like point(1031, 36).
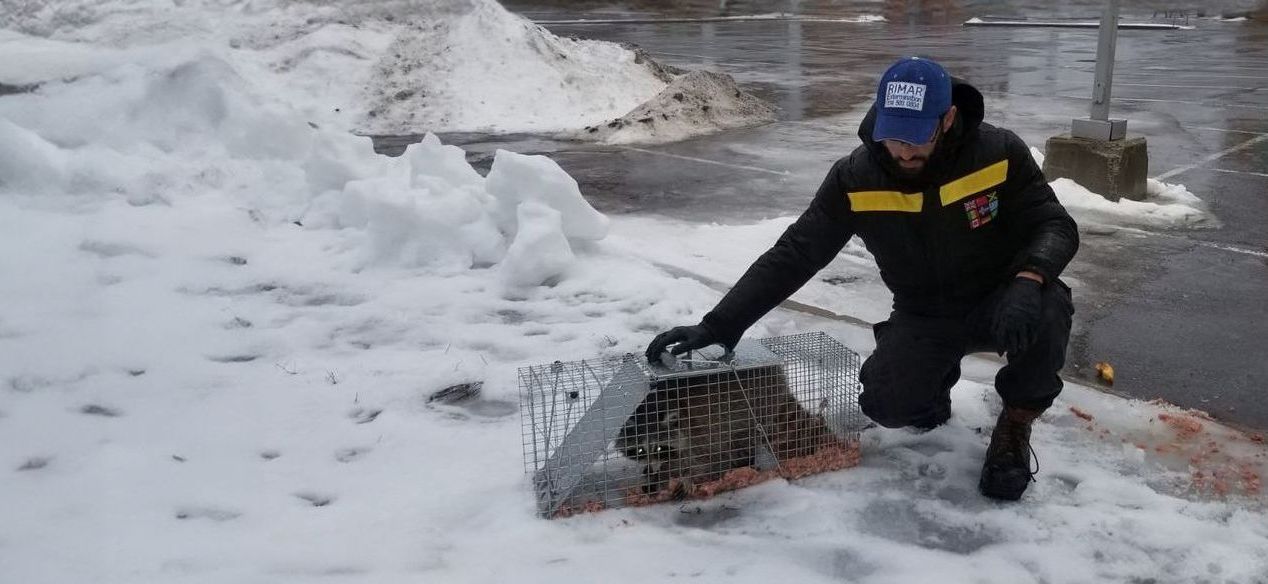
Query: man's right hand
point(687, 338)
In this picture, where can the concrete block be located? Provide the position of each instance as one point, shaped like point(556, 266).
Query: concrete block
point(1098, 129)
point(1112, 169)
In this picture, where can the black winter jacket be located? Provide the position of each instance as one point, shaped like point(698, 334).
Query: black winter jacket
point(982, 213)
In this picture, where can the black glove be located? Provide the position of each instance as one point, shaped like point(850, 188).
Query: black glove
point(689, 338)
point(1017, 316)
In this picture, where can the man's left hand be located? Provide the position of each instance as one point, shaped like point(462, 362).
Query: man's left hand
point(1017, 315)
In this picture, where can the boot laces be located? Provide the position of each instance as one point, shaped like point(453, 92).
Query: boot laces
point(1013, 433)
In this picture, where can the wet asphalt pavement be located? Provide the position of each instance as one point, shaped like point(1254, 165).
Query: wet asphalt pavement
point(1181, 314)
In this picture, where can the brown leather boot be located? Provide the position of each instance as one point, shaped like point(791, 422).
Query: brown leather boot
point(1006, 472)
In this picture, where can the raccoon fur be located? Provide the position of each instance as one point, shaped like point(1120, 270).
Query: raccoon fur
point(695, 429)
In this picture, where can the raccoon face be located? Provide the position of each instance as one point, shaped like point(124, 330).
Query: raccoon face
point(647, 453)
point(649, 437)
point(657, 460)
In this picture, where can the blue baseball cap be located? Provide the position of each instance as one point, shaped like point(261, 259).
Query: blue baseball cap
point(912, 96)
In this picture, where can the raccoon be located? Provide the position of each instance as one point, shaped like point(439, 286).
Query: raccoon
point(697, 428)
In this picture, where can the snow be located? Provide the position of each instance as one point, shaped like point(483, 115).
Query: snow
point(1166, 206)
point(384, 67)
point(517, 178)
point(482, 68)
point(697, 103)
point(220, 325)
point(540, 252)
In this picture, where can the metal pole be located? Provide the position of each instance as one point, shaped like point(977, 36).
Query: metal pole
point(1105, 62)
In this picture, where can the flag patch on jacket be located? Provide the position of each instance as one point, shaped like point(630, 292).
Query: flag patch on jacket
point(981, 210)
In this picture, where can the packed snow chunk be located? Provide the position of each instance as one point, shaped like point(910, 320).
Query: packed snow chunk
point(443, 229)
point(1170, 193)
point(335, 159)
point(540, 253)
point(517, 178)
point(28, 163)
point(433, 159)
point(468, 65)
point(1166, 206)
point(697, 103)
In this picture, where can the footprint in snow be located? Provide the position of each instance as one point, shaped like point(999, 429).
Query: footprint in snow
point(96, 410)
point(931, 470)
point(898, 520)
point(112, 249)
point(34, 463)
point(315, 499)
point(212, 513)
point(364, 415)
point(1065, 482)
point(245, 358)
point(350, 454)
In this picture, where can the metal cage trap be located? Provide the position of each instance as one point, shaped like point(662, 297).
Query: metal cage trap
point(617, 432)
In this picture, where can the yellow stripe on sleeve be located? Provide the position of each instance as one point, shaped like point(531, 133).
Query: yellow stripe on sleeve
point(974, 182)
point(886, 201)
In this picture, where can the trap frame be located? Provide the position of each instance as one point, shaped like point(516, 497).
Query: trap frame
point(614, 432)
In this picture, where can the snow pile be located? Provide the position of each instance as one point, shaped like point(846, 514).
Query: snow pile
point(471, 65)
point(396, 67)
point(1165, 206)
point(315, 58)
point(696, 103)
point(152, 137)
point(438, 212)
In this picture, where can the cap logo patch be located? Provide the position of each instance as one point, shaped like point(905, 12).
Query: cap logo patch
point(905, 95)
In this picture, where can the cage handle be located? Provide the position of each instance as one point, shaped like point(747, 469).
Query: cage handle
point(726, 358)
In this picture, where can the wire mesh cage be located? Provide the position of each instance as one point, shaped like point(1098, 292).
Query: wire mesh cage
point(617, 432)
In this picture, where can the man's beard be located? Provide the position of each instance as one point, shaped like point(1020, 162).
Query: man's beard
point(912, 172)
point(924, 174)
point(913, 176)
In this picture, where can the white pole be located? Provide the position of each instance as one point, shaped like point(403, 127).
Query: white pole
point(1105, 62)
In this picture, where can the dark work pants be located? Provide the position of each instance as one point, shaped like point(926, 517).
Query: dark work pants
point(907, 381)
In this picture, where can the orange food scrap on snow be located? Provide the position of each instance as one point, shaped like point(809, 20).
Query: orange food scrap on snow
point(830, 457)
point(1250, 480)
point(1185, 426)
point(833, 456)
point(1080, 413)
point(590, 506)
